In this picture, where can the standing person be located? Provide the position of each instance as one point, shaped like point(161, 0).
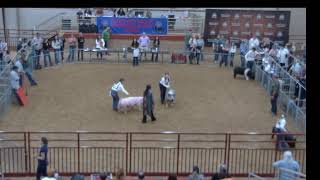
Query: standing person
point(14, 82)
point(37, 42)
point(288, 163)
point(274, 94)
point(225, 54)
point(116, 87)
point(134, 43)
point(196, 174)
point(136, 54)
point(27, 69)
point(46, 52)
point(200, 46)
point(155, 48)
point(215, 48)
point(72, 46)
point(254, 42)
point(148, 104)
point(187, 37)
point(62, 43)
point(99, 46)
point(42, 159)
point(18, 63)
point(244, 48)
point(56, 45)
point(106, 37)
point(81, 42)
point(232, 51)
point(283, 55)
point(144, 41)
point(250, 58)
point(163, 85)
point(193, 46)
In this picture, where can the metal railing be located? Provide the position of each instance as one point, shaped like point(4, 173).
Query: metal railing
point(287, 174)
point(157, 154)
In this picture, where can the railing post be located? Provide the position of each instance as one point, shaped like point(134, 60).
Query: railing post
point(228, 155)
point(130, 149)
point(178, 149)
point(78, 146)
point(29, 153)
point(127, 149)
point(225, 148)
point(25, 151)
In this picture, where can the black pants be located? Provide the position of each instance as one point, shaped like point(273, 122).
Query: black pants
point(99, 53)
point(41, 171)
point(156, 56)
point(144, 119)
point(163, 90)
point(274, 105)
point(62, 53)
point(37, 65)
point(135, 61)
point(80, 51)
point(224, 60)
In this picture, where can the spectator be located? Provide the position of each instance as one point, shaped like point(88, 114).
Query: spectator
point(274, 94)
point(232, 52)
point(290, 60)
point(46, 52)
point(155, 48)
point(200, 46)
point(254, 42)
point(193, 46)
point(222, 173)
point(172, 177)
point(37, 43)
point(148, 104)
point(215, 46)
point(296, 69)
point(62, 43)
point(283, 55)
point(14, 82)
point(80, 13)
point(144, 41)
point(121, 12)
point(134, 43)
point(56, 45)
point(225, 53)
point(3, 49)
point(120, 174)
point(103, 176)
point(42, 159)
point(196, 174)
point(72, 46)
point(20, 44)
point(136, 54)
point(187, 37)
point(141, 175)
point(106, 37)
point(244, 48)
point(148, 14)
point(99, 46)
point(250, 58)
point(288, 163)
point(87, 13)
point(81, 42)
point(273, 52)
point(99, 12)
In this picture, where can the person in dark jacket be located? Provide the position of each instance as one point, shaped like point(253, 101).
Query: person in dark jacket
point(62, 41)
point(155, 48)
point(148, 104)
point(221, 174)
point(43, 159)
point(46, 52)
point(81, 42)
point(135, 43)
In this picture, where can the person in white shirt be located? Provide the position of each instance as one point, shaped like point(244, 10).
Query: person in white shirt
point(283, 55)
point(3, 49)
point(56, 45)
point(253, 42)
point(20, 71)
point(232, 51)
point(296, 69)
point(136, 54)
point(163, 85)
point(116, 87)
point(193, 47)
point(99, 46)
point(14, 82)
point(144, 42)
point(37, 42)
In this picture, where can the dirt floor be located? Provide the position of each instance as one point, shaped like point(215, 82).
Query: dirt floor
point(75, 97)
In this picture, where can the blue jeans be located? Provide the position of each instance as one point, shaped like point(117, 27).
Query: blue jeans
point(46, 55)
point(250, 65)
point(57, 56)
point(71, 53)
point(216, 56)
point(224, 60)
point(115, 99)
point(30, 78)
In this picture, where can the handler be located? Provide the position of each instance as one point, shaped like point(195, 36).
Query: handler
point(164, 84)
point(114, 93)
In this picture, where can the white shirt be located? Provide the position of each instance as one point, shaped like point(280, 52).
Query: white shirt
point(119, 87)
point(267, 68)
point(56, 44)
point(250, 56)
point(296, 68)
point(19, 65)
point(100, 44)
point(253, 42)
point(165, 82)
point(193, 42)
point(14, 80)
point(144, 41)
point(3, 47)
point(233, 49)
point(136, 52)
point(37, 42)
point(281, 124)
point(283, 56)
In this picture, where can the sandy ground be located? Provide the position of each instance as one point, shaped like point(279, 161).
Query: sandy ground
point(75, 97)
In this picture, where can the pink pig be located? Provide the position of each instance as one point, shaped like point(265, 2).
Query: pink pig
point(129, 103)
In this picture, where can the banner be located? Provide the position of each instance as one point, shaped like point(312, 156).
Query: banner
point(243, 24)
point(120, 25)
